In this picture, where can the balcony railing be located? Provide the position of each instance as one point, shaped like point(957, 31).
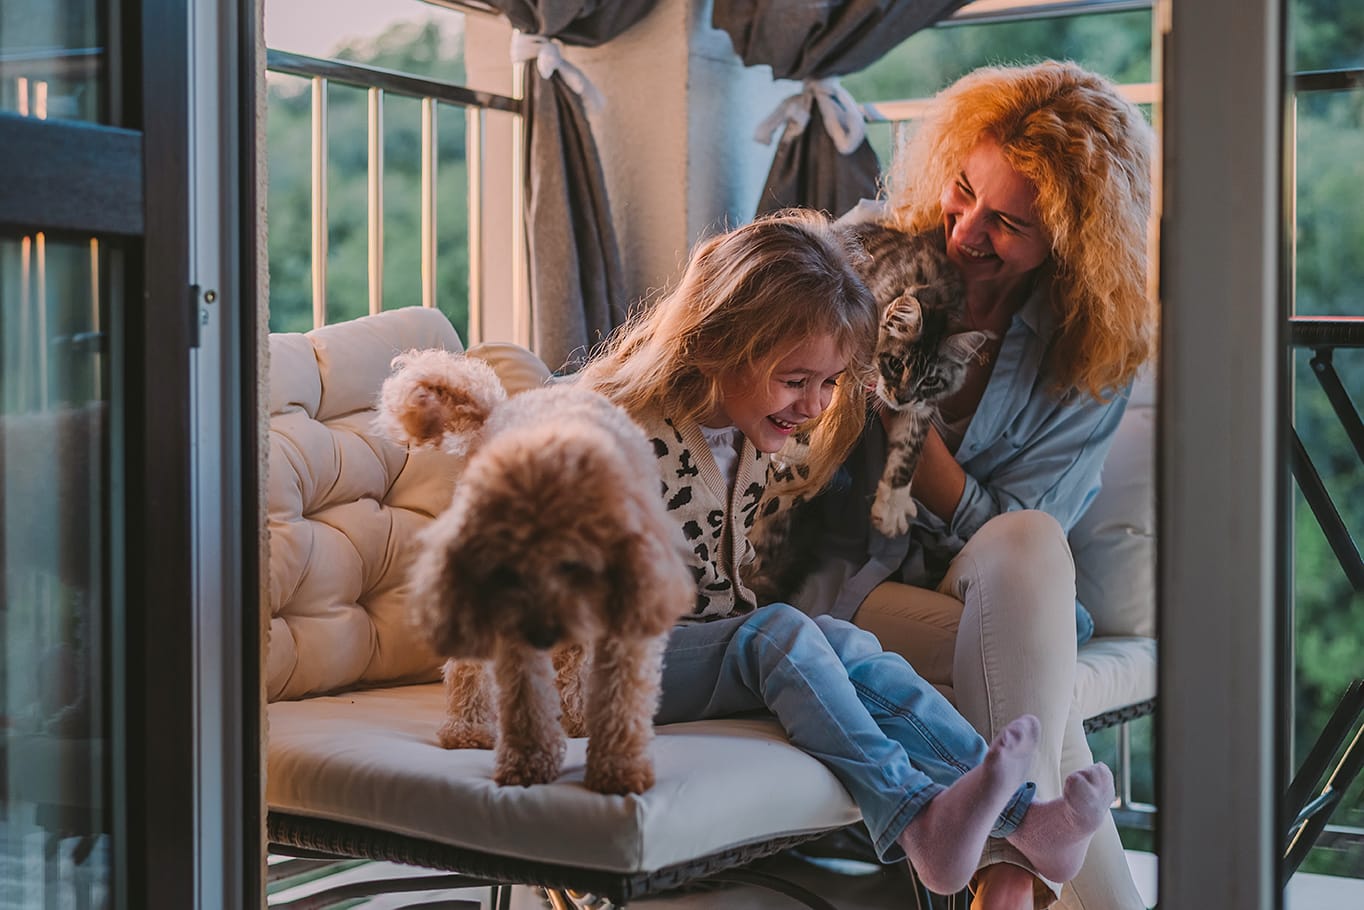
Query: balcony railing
point(379, 83)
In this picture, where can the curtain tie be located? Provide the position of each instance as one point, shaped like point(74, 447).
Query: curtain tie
point(549, 59)
point(840, 111)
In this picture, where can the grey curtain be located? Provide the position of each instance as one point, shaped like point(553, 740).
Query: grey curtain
point(577, 287)
point(812, 40)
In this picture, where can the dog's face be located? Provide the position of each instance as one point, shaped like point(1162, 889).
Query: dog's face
point(553, 595)
point(553, 535)
point(537, 564)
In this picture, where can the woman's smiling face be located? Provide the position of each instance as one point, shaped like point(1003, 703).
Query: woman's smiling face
point(990, 216)
point(768, 408)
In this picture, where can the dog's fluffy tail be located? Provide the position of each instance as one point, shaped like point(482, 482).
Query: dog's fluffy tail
point(436, 398)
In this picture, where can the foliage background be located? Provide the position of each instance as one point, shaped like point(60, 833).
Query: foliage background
point(424, 49)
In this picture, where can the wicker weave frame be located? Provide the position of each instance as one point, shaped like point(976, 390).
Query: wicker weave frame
point(320, 837)
point(1119, 716)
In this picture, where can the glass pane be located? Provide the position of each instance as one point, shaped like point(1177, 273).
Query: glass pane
point(1328, 392)
point(1117, 45)
point(54, 709)
point(53, 60)
point(1330, 203)
point(1327, 34)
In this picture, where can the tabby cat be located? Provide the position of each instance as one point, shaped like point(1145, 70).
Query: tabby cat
point(921, 354)
point(921, 358)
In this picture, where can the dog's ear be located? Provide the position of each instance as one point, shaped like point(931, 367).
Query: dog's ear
point(446, 605)
point(438, 398)
point(652, 585)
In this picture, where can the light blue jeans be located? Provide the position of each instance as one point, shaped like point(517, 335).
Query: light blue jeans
point(889, 737)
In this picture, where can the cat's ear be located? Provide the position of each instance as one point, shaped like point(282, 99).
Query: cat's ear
point(905, 314)
point(964, 345)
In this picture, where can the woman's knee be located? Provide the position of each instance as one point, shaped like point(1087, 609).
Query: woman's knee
point(1018, 563)
point(1026, 541)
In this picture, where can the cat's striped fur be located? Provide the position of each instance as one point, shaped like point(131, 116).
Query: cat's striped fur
point(921, 357)
point(921, 354)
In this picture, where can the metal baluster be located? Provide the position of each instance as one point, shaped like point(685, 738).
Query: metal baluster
point(319, 196)
point(475, 119)
point(429, 160)
point(376, 200)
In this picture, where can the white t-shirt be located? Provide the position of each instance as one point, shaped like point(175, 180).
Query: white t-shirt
point(724, 445)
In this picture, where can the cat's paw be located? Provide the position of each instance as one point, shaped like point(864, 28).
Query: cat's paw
point(893, 510)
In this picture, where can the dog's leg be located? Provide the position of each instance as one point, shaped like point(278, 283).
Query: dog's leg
point(530, 747)
point(470, 716)
point(622, 696)
point(568, 670)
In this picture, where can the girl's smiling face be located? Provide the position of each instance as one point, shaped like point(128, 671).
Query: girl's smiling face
point(989, 214)
point(767, 406)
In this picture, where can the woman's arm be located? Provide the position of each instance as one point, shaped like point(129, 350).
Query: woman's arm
point(1055, 468)
point(938, 480)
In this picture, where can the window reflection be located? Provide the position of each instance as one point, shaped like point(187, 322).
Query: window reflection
point(53, 64)
point(54, 849)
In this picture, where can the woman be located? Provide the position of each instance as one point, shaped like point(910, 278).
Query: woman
point(1039, 178)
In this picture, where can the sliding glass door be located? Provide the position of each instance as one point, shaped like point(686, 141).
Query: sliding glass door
point(102, 508)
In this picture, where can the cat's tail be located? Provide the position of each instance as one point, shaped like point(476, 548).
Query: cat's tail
point(437, 399)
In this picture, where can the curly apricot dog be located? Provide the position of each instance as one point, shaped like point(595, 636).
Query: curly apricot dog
point(555, 538)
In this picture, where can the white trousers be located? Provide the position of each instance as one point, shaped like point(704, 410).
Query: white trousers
point(998, 638)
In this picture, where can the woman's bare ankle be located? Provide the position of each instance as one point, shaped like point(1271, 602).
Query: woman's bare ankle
point(1004, 886)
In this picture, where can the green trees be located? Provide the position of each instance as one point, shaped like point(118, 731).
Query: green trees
point(411, 48)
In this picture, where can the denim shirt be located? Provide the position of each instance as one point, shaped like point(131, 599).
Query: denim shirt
point(1024, 449)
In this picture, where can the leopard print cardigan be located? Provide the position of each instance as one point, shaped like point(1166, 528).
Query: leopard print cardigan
point(714, 518)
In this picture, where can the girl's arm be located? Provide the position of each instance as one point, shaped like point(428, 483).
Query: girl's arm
point(1056, 469)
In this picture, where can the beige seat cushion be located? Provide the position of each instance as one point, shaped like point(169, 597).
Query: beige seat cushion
point(371, 758)
point(344, 508)
point(1114, 542)
point(1112, 673)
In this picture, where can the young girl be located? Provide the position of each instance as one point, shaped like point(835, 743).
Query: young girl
point(770, 332)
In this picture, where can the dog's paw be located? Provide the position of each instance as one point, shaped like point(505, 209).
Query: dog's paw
point(893, 510)
point(460, 734)
point(516, 769)
point(619, 778)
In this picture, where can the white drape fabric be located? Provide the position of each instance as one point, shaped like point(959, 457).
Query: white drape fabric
point(841, 114)
point(549, 59)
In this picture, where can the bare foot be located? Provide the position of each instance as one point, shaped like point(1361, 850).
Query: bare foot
point(1055, 835)
point(944, 841)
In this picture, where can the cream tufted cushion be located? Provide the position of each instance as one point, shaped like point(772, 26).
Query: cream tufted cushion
point(370, 758)
point(344, 506)
point(1114, 542)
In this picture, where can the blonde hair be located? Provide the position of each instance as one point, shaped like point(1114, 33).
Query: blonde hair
point(747, 299)
point(1087, 152)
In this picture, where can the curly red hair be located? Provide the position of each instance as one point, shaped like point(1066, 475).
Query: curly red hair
point(1087, 151)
